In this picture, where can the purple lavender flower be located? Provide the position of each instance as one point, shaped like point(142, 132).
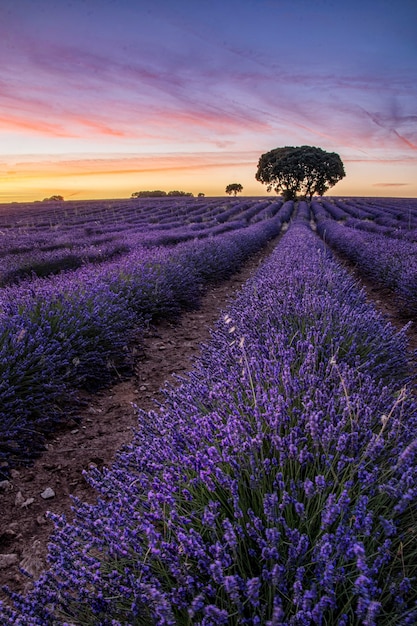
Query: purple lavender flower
point(252, 497)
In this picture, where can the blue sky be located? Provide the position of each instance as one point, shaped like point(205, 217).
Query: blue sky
point(103, 98)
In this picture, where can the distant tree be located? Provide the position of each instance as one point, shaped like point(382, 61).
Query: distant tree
point(201, 195)
point(53, 199)
point(234, 188)
point(149, 194)
point(180, 193)
point(157, 193)
point(308, 169)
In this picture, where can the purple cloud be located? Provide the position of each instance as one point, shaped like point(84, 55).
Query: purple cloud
point(229, 77)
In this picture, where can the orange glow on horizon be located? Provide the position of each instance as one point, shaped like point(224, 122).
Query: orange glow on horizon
point(209, 173)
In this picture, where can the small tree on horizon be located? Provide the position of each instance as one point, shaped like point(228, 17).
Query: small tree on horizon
point(179, 193)
point(234, 188)
point(308, 169)
point(156, 193)
point(55, 198)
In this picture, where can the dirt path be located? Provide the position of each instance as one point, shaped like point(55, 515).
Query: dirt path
point(106, 425)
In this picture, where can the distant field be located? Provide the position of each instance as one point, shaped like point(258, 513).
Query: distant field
point(277, 485)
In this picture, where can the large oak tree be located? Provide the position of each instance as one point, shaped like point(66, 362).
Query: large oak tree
point(304, 169)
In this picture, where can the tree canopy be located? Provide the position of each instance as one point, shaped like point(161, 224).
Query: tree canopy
point(180, 193)
point(304, 169)
point(53, 199)
point(234, 188)
point(157, 193)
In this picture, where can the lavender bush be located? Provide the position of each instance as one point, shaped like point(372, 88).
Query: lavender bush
point(74, 329)
point(45, 241)
point(40, 262)
point(388, 262)
point(396, 215)
point(276, 485)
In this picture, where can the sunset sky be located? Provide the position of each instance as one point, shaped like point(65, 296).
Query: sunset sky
point(101, 98)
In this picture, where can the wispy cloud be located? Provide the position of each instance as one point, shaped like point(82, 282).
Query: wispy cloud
point(178, 77)
point(92, 92)
point(28, 124)
point(391, 184)
point(84, 166)
point(391, 120)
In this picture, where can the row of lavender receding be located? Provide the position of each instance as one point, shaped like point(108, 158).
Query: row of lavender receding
point(388, 261)
point(74, 330)
point(108, 213)
point(392, 217)
point(395, 213)
point(72, 239)
point(277, 484)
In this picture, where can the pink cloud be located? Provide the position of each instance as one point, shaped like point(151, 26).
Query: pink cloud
point(19, 123)
point(200, 87)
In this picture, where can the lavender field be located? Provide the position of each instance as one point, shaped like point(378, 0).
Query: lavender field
point(63, 329)
point(277, 483)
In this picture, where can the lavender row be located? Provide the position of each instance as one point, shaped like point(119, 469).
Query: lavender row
point(390, 263)
point(223, 223)
point(103, 212)
point(41, 263)
point(108, 217)
point(47, 260)
point(31, 254)
point(277, 485)
point(394, 218)
point(74, 330)
point(397, 212)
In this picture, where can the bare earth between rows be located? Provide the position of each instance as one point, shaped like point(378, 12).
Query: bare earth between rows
point(107, 424)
